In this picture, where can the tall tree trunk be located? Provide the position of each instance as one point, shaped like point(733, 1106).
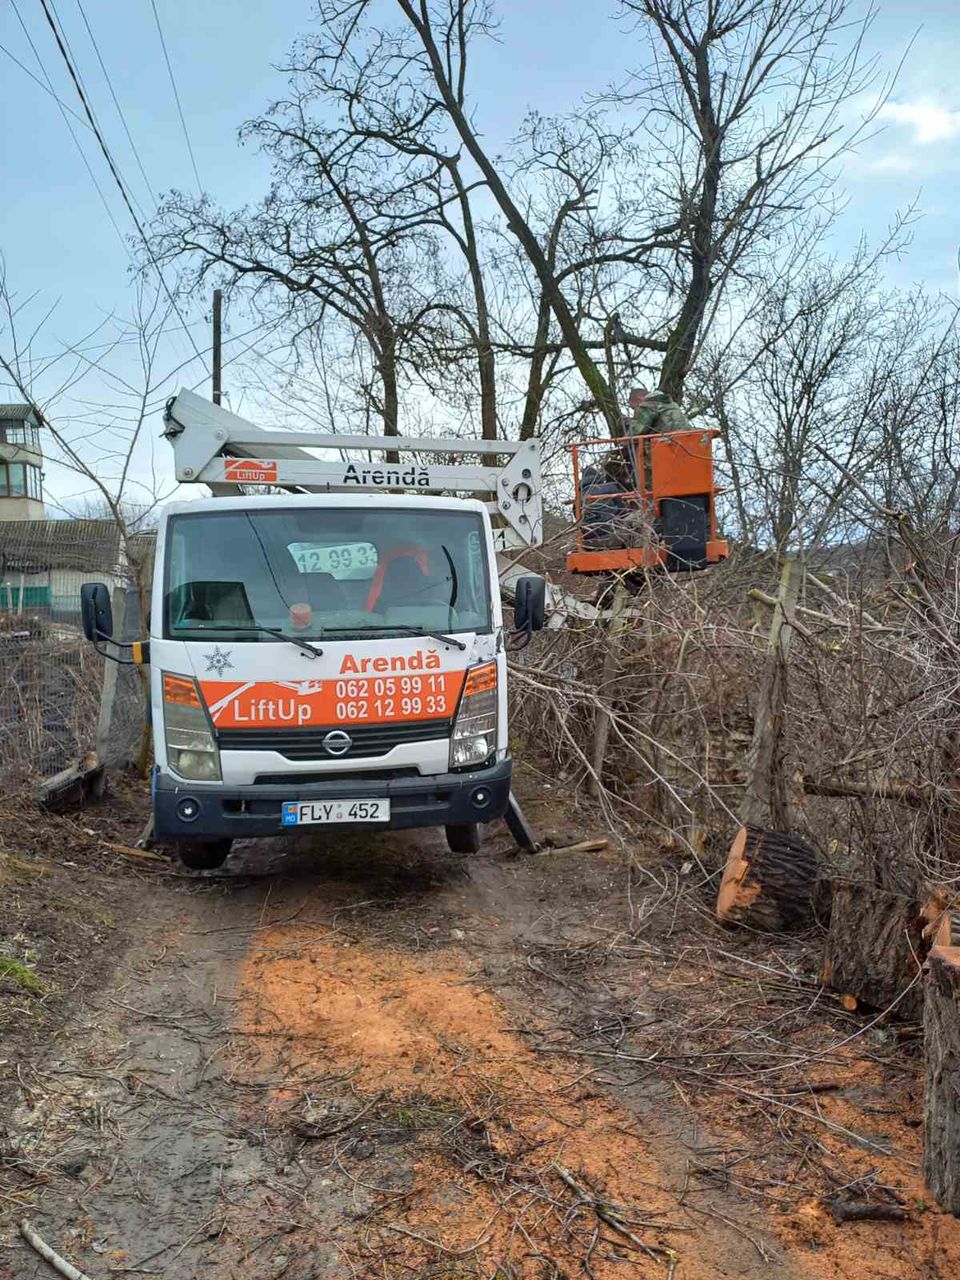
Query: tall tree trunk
point(733, 467)
point(387, 368)
point(536, 381)
point(382, 338)
point(388, 375)
point(419, 18)
point(766, 797)
point(941, 1101)
point(535, 386)
point(486, 360)
point(682, 340)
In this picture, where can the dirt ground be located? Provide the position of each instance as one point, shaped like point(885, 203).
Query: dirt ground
point(360, 1057)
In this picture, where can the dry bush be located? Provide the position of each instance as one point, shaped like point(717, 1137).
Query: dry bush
point(50, 681)
point(872, 720)
point(676, 697)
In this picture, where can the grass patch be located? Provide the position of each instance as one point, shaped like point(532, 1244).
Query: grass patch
point(22, 975)
point(10, 863)
point(418, 1116)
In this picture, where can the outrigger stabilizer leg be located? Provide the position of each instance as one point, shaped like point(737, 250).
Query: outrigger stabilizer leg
point(519, 828)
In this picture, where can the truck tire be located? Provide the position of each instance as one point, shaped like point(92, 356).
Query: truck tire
point(203, 855)
point(464, 838)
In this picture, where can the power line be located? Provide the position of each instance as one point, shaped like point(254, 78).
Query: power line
point(46, 88)
point(114, 171)
point(66, 39)
point(79, 76)
point(116, 103)
point(176, 95)
point(76, 141)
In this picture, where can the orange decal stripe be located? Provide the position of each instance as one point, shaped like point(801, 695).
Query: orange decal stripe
point(250, 470)
point(347, 700)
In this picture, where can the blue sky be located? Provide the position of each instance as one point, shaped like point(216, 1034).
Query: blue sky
point(57, 240)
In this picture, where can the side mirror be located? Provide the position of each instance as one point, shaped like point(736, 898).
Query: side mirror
point(96, 611)
point(530, 603)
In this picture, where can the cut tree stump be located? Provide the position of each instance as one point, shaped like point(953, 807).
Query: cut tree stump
point(768, 882)
point(941, 1098)
point(876, 944)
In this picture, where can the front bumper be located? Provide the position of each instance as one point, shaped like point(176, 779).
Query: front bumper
point(244, 813)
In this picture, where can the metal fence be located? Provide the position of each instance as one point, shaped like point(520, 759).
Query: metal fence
point(52, 710)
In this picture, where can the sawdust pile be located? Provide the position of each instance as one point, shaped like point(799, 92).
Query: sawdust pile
point(527, 1168)
point(534, 1165)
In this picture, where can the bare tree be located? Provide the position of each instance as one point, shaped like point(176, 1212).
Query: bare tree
point(626, 236)
point(742, 106)
point(917, 467)
point(836, 397)
point(100, 443)
point(382, 111)
point(334, 240)
point(443, 33)
point(568, 175)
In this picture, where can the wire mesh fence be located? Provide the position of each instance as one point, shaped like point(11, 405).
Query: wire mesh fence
point(51, 679)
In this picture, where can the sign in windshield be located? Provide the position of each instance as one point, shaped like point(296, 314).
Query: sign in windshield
point(341, 560)
point(246, 574)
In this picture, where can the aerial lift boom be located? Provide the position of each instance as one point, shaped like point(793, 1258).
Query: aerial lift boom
point(218, 448)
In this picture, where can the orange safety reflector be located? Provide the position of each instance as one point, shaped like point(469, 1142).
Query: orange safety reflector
point(481, 679)
point(180, 689)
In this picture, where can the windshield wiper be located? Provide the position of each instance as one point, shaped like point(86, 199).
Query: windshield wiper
point(419, 631)
point(305, 645)
point(358, 633)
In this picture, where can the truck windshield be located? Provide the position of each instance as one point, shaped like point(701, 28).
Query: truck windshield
point(324, 572)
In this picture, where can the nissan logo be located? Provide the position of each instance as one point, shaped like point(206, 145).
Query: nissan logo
point(337, 743)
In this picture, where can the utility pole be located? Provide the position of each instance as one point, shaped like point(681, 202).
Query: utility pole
point(217, 353)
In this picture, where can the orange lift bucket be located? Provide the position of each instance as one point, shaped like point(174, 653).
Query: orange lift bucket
point(642, 502)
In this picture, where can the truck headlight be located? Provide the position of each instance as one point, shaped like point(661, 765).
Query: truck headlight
point(474, 736)
point(191, 748)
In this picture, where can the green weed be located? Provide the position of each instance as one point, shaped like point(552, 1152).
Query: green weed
point(22, 975)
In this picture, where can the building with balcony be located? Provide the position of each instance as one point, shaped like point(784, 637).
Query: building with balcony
point(21, 464)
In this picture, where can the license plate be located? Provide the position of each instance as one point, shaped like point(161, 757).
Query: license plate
point(301, 813)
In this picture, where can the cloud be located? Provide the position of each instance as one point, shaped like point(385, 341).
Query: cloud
point(893, 162)
point(931, 121)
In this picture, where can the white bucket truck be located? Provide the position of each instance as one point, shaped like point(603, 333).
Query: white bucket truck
point(332, 651)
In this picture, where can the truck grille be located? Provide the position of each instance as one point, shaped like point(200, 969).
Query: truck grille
point(336, 775)
point(307, 744)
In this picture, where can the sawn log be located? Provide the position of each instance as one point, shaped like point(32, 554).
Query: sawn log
point(768, 882)
point(941, 1099)
point(876, 945)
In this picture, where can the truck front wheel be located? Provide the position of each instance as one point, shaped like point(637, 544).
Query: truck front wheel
point(464, 838)
point(203, 855)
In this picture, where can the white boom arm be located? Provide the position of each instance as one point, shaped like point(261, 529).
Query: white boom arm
point(215, 447)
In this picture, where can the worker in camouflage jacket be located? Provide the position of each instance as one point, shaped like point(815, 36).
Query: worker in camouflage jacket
point(654, 413)
point(609, 520)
